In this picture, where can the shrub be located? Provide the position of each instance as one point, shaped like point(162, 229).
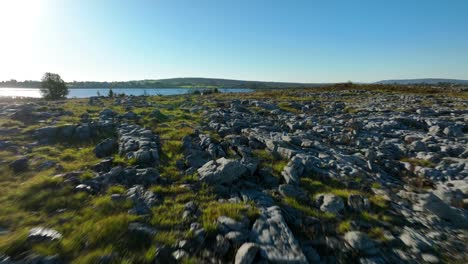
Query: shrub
point(53, 87)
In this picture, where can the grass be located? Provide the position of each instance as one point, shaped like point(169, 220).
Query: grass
point(307, 209)
point(71, 158)
point(268, 160)
point(213, 210)
point(327, 186)
point(377, 233)
point(286, 106)
point(419, 162)
point(94, 225)
point(344, 226)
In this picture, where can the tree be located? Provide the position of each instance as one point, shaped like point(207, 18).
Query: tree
point(53, 87)
point(111, 93)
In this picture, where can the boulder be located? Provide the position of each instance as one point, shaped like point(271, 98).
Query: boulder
point(453, 131)
point(360, 242)
point(130, 116)
point(107, 113)
point(227, 224)
point(246, 253)
point(358, 203)
point(43, 234)
point(105, 148)
point(19, 165)
point(275, 240)
point(443, 210)
point(236, 238)
point(46, 133)
point(143, 157)
point(330, 203)
point(221, 171)
point(413, 239)
point(289, 190)
point(293, 171)
point(221, 245)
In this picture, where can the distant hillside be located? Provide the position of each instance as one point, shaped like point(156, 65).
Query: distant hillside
point(217, 83)
point(171, 83)
point(423, 81)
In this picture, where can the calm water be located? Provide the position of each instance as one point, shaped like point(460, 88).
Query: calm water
point(83, 93)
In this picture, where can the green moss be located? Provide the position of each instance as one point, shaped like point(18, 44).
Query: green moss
point(377, 233)
point(168, 215)
point(379, 201)
point(236, 211)
point(116, 189)
point(419, 162)
point(112, 230)
point(168, 238)
point(286, 106)
point(307, 209)
point(344, 226)
point(94, 256)
point(327, 186)
point(269, 160)
point(14, 243)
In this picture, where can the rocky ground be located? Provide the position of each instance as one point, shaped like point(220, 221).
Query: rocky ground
point(351, 175)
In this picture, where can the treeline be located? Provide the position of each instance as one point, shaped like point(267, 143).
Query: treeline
point(199, 83)
point(16, 84)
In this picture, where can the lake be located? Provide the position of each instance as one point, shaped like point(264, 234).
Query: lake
point(84, 93)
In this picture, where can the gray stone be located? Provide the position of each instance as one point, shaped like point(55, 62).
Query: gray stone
point(130, 116)
point(358, 203)
point(19, 165)
point(293, 171)
point(330, 203)
point(246, 253)
point(274, 238)
point(311, 254)
point(221, 245)
point(360, 242)
point(221, 171)
point(143, 157)
point(438, 207)
point(289, 190)
point(180, 254)
point(414, 239)
point(105, 148)
point(48, 132)
point(236, 238)
point(453, 131)
point(227, 224)
point(48, 164)
point(42, 233)
point(429, 258)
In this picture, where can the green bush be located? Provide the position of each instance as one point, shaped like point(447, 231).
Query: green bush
point(53, 87)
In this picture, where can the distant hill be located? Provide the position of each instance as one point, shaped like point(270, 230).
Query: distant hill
point(423, 81)
point(171, 83)
point(229, 83)
point(216, 83)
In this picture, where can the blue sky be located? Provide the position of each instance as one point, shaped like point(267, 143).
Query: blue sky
point(300, 41)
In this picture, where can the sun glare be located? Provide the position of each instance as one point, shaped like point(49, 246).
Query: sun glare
point(20, 22)
point(19, 16)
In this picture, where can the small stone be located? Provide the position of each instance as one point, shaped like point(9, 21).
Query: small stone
point(180, 254)
point(429, 258)
point(42, 233)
